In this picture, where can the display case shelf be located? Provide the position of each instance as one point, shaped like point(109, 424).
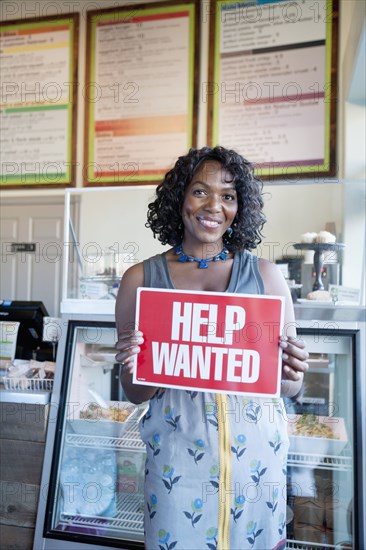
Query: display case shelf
point(336, 463)
point(130, 441)
point(28, 384)
point(302, 545)
point(129, 517)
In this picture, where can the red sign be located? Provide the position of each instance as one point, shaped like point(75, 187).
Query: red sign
point(209, 341)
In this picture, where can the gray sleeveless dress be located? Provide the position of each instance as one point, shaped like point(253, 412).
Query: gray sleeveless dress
point(215, 472)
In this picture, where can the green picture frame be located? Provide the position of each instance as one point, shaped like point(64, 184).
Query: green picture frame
point(39, 101)
point(272, 86)
point(149, 79)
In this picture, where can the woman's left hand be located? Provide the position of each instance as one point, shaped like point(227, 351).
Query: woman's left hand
point(294, 358)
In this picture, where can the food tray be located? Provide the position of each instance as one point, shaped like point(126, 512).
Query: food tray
point(100, 426)
point(105, 360)
point(319, 445)
point(318, 362)
point(29, 384)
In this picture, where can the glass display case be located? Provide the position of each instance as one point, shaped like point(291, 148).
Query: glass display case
point(103, 237)
point(94, 459)
point(324, 462)
point(97, 466)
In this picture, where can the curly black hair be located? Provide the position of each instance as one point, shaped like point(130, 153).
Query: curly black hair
point(164, 214)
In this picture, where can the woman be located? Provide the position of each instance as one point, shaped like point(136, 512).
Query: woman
point(216, 464)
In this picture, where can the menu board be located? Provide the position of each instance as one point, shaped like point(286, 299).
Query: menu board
point(272, 85)
point(141, 101)
point(38, 101)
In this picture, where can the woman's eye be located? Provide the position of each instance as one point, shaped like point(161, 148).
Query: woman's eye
point(198, 192)
point(229, 197)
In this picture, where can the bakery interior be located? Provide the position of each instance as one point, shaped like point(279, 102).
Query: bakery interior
point(315, 232)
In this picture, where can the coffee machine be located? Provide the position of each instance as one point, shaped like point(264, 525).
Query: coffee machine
point(329, 275)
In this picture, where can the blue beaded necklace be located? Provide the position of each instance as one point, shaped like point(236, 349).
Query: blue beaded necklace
point(202, 263)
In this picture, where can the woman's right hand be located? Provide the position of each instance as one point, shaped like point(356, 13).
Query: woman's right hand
point(128, 346)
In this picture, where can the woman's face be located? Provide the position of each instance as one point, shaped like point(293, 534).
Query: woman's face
point(210, 204)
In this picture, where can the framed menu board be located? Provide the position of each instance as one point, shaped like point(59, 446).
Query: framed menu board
point(272, 89)
point(38, 101)
point(141, 84)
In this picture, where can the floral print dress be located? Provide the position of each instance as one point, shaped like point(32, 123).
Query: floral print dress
point(182, 476)
point(215, 474)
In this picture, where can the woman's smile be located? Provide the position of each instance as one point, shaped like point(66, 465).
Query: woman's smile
point(210, 223)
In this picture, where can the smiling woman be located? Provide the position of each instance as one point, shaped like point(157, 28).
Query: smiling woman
point(209, 209)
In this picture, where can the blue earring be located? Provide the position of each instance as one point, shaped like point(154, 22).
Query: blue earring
point(229, 232)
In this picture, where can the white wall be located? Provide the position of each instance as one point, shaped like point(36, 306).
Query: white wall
point(115, 219)
point(354, 144)
point(291, 209)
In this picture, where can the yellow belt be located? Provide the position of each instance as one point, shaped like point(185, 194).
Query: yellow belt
point(223, 540)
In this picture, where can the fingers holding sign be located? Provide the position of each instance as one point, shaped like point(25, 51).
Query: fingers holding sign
point(128, 346)
point(294, 358)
